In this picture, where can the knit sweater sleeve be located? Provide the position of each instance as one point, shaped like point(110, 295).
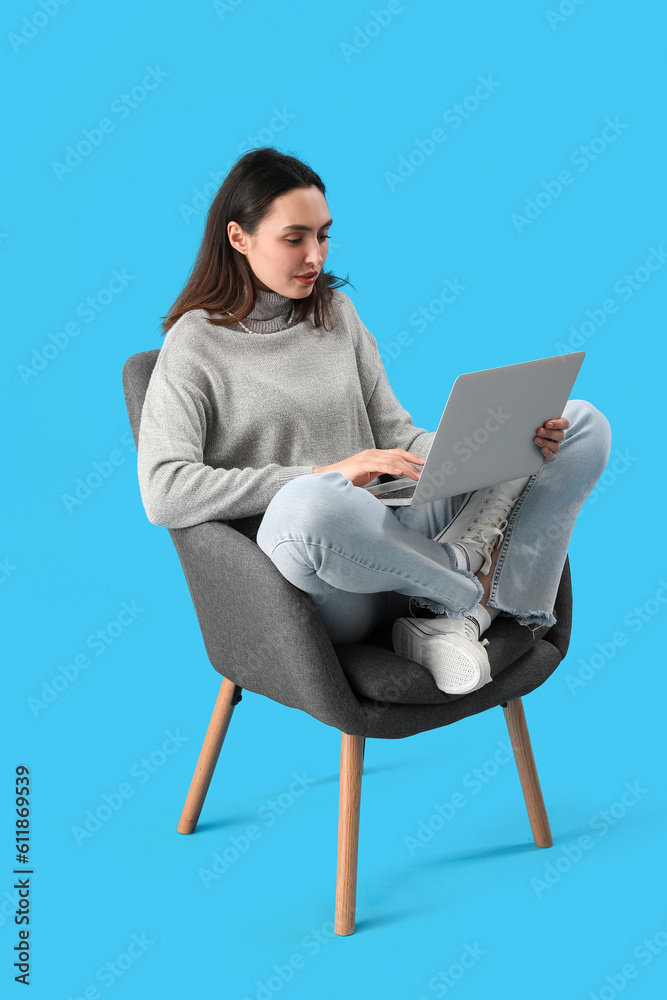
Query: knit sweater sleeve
point(177, 488)
point(391, 423)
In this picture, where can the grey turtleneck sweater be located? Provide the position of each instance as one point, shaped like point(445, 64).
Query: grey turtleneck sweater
point(231, 416)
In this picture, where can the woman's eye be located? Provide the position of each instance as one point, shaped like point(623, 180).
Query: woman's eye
point(321, 238)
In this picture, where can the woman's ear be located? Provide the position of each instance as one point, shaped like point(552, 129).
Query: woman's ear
point(236, 237)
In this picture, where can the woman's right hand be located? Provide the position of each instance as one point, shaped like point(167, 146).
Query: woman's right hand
point(367, 465)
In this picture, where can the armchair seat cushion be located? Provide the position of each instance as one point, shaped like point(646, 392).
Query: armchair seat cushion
point(375, 671)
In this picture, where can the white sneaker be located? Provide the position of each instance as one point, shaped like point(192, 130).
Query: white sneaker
point(449, 649)
point(481, 522)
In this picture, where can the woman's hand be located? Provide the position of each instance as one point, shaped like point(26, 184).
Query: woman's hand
point(366, 465)
point(550, 435)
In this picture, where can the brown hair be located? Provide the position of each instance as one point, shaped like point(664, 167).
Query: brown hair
point(221, 279)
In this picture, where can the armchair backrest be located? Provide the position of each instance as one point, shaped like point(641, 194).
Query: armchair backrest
point(137, 373)
point(287, 655)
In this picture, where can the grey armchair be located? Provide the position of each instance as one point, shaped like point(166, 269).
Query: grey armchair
point(265, 635)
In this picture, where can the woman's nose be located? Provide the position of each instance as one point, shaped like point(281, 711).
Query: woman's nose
point(315, 254)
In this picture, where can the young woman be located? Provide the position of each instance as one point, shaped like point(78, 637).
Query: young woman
point(269, 407)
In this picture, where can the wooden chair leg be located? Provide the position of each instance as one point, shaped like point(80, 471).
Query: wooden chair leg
point(351, 767)
point(208, 758)
point(525, 763)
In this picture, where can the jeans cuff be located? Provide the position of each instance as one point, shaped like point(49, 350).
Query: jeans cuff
point(440, 608)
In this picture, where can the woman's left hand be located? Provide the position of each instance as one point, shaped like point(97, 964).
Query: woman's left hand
point(550, 435)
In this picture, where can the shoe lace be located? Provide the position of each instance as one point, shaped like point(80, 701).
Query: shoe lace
point(470, 629)
point(485, 532)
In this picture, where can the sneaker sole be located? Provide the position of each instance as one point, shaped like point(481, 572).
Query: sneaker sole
point(456, 665)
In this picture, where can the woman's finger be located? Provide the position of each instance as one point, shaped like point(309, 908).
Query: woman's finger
point(560, 423)
point(547, 443)
point(550, 435)
point(408, 470)
point(410, 457)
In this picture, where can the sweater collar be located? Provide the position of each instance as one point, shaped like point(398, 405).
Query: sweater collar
point(270, 306)
point(269, 314)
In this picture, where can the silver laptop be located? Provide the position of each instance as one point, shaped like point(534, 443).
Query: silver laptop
point(485, 435)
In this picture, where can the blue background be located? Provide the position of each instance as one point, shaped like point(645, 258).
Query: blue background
point(352, 100)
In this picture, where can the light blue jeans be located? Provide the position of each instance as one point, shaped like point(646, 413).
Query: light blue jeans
point(352, 554)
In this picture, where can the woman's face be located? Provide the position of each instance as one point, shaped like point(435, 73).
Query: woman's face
point(291, 240)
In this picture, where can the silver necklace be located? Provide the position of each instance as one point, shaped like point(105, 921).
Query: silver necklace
point(291, 317)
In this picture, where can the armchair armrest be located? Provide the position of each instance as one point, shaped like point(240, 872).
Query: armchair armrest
point(559, 634)
point(259, 630)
